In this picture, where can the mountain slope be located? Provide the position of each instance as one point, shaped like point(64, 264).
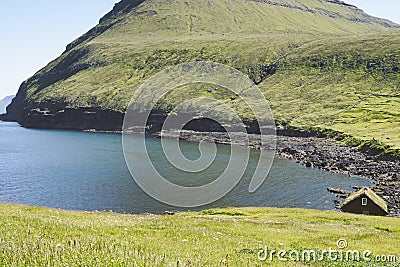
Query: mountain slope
point(321, 63)
point(4, 103)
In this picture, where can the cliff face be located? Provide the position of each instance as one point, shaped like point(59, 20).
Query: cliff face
point(319, 63)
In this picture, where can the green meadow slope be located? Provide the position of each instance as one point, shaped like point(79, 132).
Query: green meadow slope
point(32, 236)
point(322, 64)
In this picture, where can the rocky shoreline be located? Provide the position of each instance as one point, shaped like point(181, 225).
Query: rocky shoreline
point(325, 154)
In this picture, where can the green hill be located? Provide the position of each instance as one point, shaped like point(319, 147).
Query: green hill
point(323, 65)
point(32, 236)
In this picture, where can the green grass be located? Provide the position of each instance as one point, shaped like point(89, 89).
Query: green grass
point(343, 95)
point(33, 236)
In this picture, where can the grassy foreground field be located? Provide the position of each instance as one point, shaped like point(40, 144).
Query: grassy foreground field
point(32, 236)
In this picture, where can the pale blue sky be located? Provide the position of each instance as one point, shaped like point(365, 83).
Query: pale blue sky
point(33, 32)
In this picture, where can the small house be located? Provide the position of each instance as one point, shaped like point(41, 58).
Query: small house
point(365, 201)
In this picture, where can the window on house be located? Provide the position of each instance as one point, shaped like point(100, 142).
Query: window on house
point(364, 201)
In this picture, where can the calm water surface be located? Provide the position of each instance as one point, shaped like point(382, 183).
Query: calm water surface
point(87, 171)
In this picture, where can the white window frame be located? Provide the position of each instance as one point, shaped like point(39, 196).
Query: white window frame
point(364, 201)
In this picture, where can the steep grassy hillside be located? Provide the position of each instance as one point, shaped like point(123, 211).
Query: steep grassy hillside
point(223, 237)
point(320, 63)
point(350, 86)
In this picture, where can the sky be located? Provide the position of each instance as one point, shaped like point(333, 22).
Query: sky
point(34, 32)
